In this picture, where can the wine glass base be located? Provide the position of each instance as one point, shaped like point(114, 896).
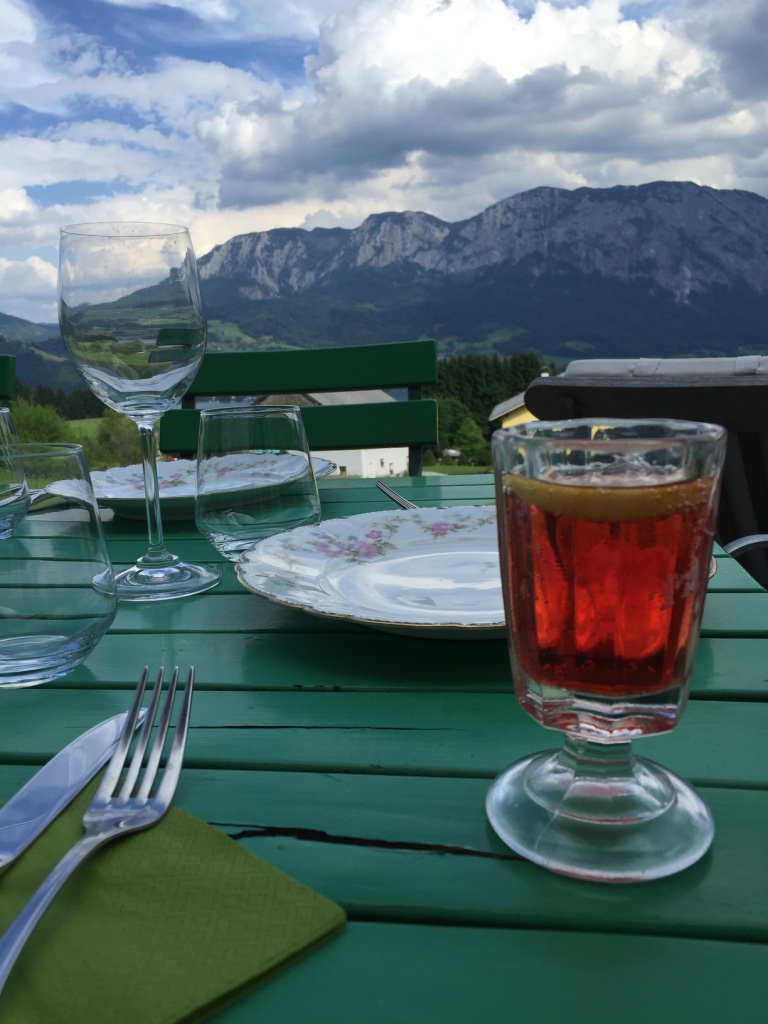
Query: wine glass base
point(162, 583)
point(574, 833)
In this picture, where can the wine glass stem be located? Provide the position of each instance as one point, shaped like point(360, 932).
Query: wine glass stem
point(598, 760)
point(156, 554)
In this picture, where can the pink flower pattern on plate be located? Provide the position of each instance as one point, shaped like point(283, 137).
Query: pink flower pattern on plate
point(380, 538)
point(374, 544)
point(366, 550)
point(440, 529)
point(332, 548)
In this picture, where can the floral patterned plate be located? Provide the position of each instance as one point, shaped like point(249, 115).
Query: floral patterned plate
point(431, 572)
point(122, 488)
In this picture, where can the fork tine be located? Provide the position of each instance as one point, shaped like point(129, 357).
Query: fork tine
point(157, 747)
point(141, 745)
point(117, 761)
point(170, 778)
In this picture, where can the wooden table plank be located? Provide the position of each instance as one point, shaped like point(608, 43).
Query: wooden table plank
point(725, 668)
point(735, 614)
point(420, 849)
point(417, 488)
point(242, 612)
point(725, 614)
point(730, 667)
point(461, 734)
point(411, 849)
point(394, 974)
point(731, 576)
point(314, 661)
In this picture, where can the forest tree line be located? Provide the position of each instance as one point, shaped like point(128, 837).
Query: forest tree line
point(45, 415)
point(469, 386)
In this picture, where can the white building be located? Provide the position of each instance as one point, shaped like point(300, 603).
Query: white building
point(363, 462)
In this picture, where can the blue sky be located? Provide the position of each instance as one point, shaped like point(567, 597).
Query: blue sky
point(234, 116)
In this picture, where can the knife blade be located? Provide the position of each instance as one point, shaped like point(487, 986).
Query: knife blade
point(55, 785)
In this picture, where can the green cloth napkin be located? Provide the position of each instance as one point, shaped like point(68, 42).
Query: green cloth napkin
point(161, 926)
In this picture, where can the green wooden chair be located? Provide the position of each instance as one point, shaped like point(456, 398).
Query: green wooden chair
point(411, 423)
point(7, 377)
point(730, 391)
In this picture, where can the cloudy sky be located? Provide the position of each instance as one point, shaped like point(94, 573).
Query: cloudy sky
point(242, 115)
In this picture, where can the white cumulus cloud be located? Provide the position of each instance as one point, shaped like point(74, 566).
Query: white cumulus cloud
point(28, 289)
point(438, 105)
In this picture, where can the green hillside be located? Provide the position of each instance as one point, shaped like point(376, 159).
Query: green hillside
point(44, 363)
point(565, 315)
point(13, 328)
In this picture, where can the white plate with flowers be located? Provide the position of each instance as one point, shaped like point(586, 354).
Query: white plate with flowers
point(431, 572)
point(122, 488)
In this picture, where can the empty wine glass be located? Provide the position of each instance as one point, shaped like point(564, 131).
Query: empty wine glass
point(131, 318)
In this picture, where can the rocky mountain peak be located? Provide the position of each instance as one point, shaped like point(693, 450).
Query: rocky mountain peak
point(682, 237)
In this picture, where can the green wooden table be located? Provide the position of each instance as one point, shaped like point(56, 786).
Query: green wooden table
point(358, 762)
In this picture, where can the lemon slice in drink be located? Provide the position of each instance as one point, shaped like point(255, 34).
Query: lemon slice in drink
point(601, 503)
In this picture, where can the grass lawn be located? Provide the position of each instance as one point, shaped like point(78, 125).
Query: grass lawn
point(458, 470)
point(85, 428)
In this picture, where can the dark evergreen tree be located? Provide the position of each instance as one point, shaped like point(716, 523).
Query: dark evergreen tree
point(480, 382)
point(80, 404)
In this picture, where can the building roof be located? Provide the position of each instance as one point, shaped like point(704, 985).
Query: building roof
point(504, 408)
point(327, 398)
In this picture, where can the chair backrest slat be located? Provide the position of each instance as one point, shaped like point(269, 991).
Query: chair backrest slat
point(330, 427)
point(356, 368)
point(7, 376)
point(369, 425)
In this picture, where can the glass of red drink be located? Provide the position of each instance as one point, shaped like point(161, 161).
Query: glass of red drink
point(605, 535)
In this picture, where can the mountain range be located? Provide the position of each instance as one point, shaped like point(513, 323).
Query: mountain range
point(661, 269)
point(667, 268)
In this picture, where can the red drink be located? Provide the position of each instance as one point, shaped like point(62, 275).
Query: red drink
point(606, 584)
point(605, 530)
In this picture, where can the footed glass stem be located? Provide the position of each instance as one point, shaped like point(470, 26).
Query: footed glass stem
point(132, 321)
point(597, 812)
point(159, 575)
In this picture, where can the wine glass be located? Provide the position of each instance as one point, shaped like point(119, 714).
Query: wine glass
point(605, 533)
point(132, 321)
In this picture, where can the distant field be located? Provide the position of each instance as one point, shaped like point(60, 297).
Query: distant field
point(459, 470)
point(85, 428)
point(224, 336)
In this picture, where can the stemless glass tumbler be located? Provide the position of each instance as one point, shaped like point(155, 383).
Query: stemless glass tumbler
point(605, 532)
point(57, 588)
point(254, 475)
point(14, 493)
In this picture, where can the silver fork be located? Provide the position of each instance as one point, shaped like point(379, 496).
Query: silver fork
point(397, 498)
point(108, 815)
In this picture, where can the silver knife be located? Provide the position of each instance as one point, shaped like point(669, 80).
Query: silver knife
point(58, 782)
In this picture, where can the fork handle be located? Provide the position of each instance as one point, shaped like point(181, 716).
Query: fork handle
point(398, 499)
point(12, 942)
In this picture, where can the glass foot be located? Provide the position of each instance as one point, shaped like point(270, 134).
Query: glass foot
point(164, 582)
point(645, 824)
